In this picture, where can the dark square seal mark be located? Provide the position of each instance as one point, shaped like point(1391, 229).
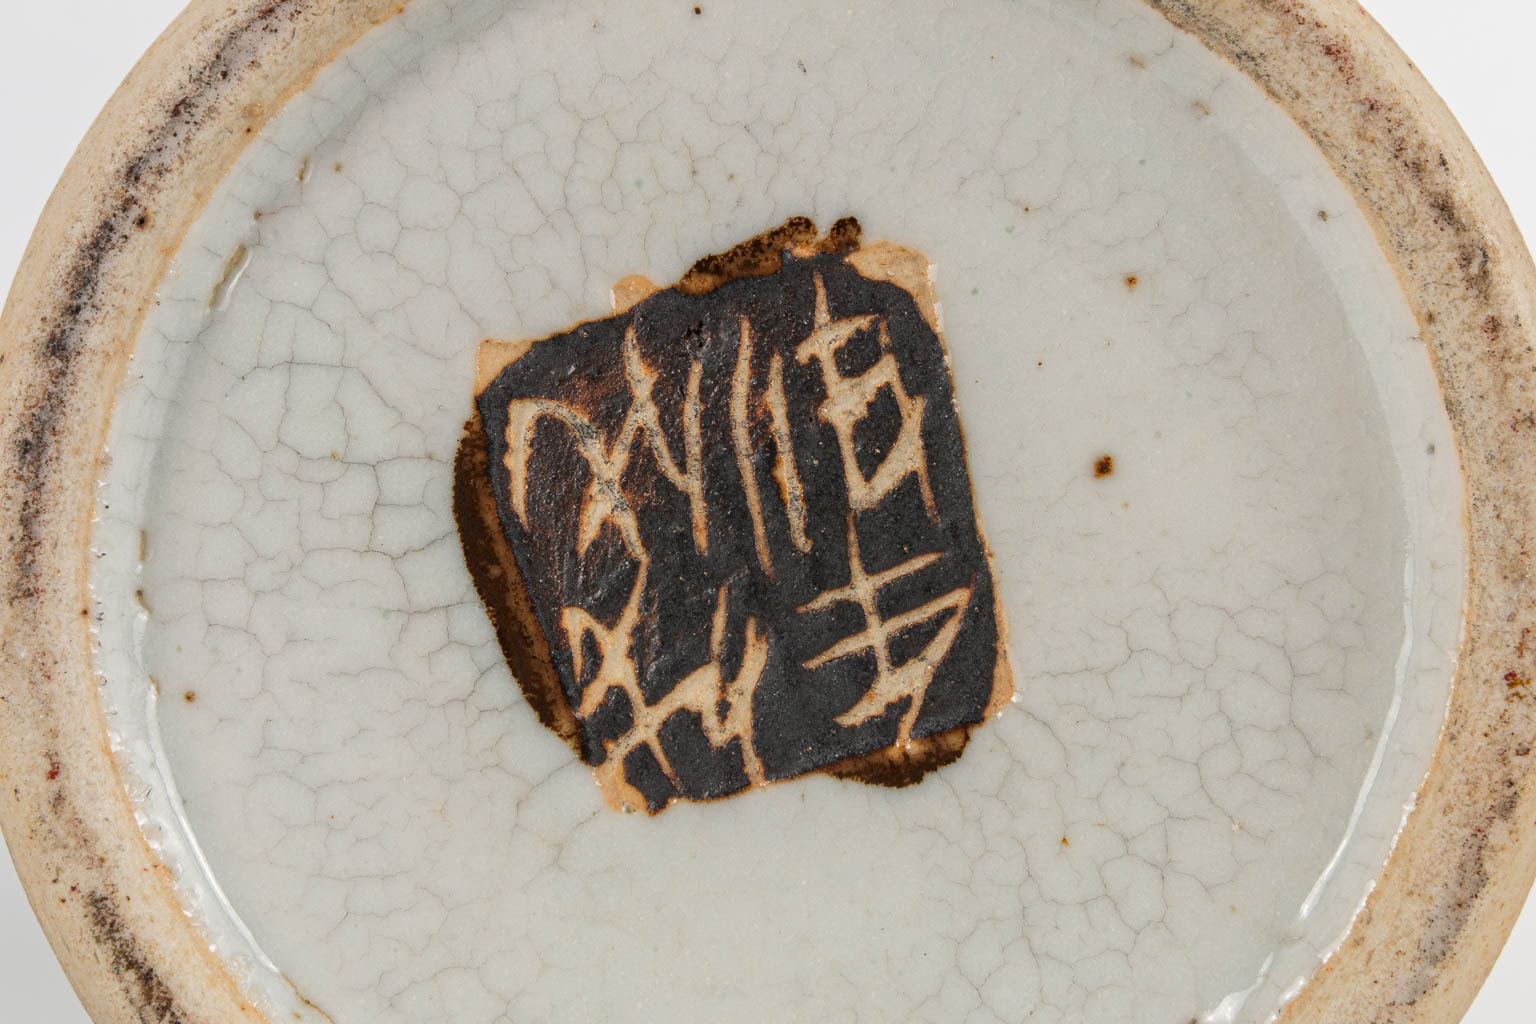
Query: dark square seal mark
point(727, 535)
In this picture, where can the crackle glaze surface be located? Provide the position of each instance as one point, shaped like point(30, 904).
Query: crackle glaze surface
point(1231, 654)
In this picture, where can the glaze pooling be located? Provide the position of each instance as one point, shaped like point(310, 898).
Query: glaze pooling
point(1238, 643)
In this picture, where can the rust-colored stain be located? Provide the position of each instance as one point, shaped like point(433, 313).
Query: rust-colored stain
point(1343, 59)
point(763, 254)
point(1104, 465)
point(1131, 281)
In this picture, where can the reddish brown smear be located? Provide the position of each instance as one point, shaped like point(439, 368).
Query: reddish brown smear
point(1104, 466)
point(494, 571)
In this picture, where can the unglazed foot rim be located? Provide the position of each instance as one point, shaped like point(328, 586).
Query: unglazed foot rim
point(1465, 859)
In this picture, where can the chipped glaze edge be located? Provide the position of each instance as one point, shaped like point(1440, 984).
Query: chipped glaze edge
point(1442, 906)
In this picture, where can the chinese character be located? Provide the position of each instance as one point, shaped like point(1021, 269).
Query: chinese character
point(727, 533)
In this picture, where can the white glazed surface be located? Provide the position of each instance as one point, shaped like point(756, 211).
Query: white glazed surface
point(1232, 655)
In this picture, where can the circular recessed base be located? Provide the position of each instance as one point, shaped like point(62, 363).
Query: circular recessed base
point(1207, 451)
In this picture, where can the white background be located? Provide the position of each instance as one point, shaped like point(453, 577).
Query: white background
point(59, 61)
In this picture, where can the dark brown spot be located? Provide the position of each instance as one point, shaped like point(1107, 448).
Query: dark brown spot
point(698, 10)
point(1104, 465)
point(141, 221)
point(1322, 215)
point(1131, 281)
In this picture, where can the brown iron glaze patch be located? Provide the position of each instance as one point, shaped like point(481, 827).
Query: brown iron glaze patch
point(727, 535)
